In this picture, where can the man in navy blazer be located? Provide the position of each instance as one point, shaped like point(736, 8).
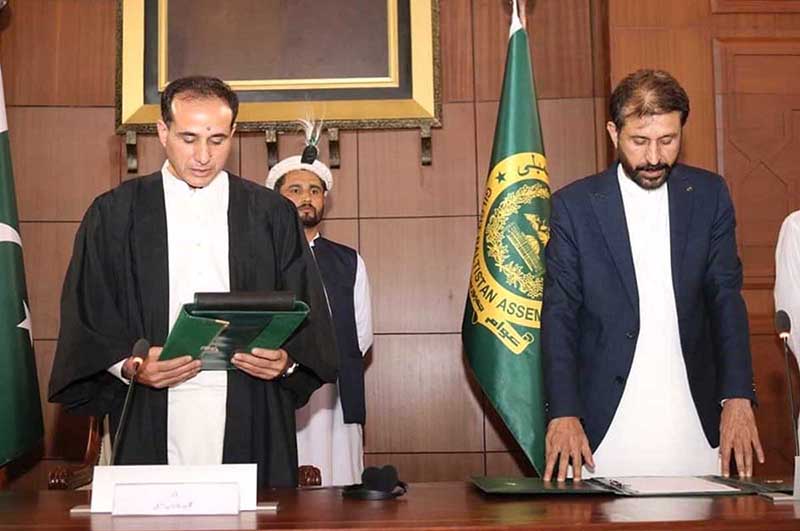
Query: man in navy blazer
point(595, 349)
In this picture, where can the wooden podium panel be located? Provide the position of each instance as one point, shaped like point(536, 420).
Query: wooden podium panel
point(445, 506)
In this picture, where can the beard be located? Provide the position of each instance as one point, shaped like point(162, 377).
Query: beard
point(636, 174)
point(310, 217)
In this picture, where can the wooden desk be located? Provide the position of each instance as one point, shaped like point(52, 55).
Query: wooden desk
point(438, 506)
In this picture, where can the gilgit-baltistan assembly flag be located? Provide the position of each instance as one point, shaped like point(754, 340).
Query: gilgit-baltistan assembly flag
point(501, 327)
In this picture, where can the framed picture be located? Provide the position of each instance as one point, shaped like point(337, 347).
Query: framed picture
point(352, 63)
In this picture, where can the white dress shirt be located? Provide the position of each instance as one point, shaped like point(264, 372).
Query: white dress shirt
point(197, 234)
point(197, 245)
point(323, 439)
point(656, 429)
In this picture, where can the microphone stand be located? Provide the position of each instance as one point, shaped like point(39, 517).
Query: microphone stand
point(795, 496)
point(789, 393)
point(123, 416)
point(139, 351)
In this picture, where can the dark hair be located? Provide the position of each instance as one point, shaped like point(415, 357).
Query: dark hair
point(280, 182)
point(198, 87)
point(648, 92)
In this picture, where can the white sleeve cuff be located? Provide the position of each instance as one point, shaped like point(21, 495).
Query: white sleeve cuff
point(116, 370)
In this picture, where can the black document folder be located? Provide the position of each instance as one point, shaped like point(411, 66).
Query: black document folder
point(217, 325)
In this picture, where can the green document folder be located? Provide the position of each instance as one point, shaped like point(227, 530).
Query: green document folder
point(213, 332)
point(632, 486)
point(520, 486)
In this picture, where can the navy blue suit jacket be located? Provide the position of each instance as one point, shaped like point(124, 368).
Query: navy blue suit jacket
point(590, 315)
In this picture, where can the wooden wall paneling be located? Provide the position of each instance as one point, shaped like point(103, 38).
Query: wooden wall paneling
point(604, 149)
point(760, 301)
point(490, 40)
point(755, 6)
point(485, 121)
point(601, 66)
point(686, 53)
point(498, 437)
point(561, 46)
point(513, 464)
point(772, 414)
point(47, 250)
point(787, 25)
point(65, 435)
point(63, 158)
point(415, 468)
point(744, 25)
point(601, 61)
point(569, 133)
point(568, 128)
point(656, 13)
point(59, 52)
point(394, 183)
point(560, 38)
point(759, 129)
point(455, 21)
point(421, 397)
point(342, 202)
point(344, 231)
point(419, 270)
point(151, 156)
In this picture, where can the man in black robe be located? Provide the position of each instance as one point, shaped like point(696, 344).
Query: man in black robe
point(117, 290)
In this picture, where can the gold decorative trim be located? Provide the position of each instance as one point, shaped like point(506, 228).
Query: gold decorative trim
point(163, 57)
point(390, 81)
point(423, 108)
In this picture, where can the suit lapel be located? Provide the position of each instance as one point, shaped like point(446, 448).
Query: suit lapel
point(607, 203)
point(681, 202)
point(151, 255)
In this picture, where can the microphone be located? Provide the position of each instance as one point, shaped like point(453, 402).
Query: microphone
point(138, 352)
point(783, 325)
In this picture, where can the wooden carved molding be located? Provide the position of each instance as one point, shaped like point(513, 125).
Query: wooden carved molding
point(755, 6)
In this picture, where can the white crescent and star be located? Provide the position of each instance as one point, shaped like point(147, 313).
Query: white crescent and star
point(10, 234)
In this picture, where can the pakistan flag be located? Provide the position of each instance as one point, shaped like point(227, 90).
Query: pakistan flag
point(20, 409)
point(501, 328)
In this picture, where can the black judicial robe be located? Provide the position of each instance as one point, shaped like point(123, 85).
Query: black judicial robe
point(117, 291)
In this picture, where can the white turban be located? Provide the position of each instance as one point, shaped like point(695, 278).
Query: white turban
point(294, 163)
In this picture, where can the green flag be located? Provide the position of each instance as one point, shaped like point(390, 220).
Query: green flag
point(20, 409)
point(501, 328)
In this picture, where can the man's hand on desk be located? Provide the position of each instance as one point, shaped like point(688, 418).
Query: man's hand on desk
point(161, 374)
point(566, 440)
point(738, 433)
point(263, 363)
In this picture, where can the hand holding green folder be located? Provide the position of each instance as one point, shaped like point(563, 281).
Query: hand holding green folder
point(217, 325)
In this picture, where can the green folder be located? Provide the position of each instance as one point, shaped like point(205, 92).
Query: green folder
point(611, 486)
point(214, 333)
point(524, 485)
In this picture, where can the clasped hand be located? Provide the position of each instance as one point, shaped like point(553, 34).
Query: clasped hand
point(260, 363)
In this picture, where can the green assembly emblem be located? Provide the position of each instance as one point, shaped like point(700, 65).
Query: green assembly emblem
point(507, 278)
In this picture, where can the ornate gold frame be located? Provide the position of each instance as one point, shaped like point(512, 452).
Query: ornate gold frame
point(422, 109)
